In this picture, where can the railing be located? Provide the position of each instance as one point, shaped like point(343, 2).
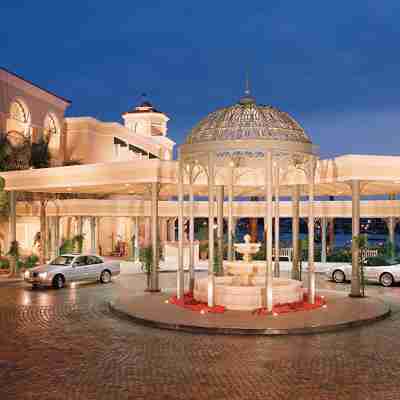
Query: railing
point(287, 252)
point(284, 252)
point(365, 253)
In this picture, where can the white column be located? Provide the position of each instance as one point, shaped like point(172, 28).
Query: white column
point(172, 229)
point(137, 248)
point(147, 230)
point(12, 229)
point(220, 226)
point(391, 224)
point(211, 275)
point(53, 236)
point(93, 244)
point(98, 235)
point(57, 221)
point(295, 232)
point(276, 204)
point(154, 236)
point(355, 233)
point(180, 284)
point(191, 234)
point(234, 223)
point(323, 239)
point(80, 225)
point(268, 221)
point(230, 215)
point(49, 239)
point(311, 266)
point(163, 230)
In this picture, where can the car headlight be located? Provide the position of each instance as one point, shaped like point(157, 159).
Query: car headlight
point(43, 275)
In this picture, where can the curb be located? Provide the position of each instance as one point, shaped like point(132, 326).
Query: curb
point(241, 331)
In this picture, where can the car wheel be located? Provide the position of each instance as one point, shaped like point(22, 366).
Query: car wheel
point(58, 282)
point(338, 276)
point(386, 279)
point(105, 277)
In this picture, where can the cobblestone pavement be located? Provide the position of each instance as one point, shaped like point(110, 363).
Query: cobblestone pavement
point(67, 345)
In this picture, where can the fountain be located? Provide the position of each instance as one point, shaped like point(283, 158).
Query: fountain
point(247, 249)
point(243, 285)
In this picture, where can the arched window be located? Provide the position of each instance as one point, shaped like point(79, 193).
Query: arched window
point(50, 127)
point(19, 112)
point(20, 118)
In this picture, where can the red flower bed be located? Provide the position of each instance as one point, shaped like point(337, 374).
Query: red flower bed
point(190, 303)
point(292, 307)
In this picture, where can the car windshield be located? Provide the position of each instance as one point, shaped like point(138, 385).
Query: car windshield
point(62, 260)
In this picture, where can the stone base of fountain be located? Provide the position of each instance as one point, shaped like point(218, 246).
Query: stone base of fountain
point(244, 267)
point(234, 295)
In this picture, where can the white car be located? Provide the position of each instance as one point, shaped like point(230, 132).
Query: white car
point(69, 268)
point(385, 275)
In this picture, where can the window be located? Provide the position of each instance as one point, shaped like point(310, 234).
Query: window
point(80, 261)
point(50, 127)
point(62, 260)
point(19, 112)
point(93, 260)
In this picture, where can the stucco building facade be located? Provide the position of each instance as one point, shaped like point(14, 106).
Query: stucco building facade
point(31, 113)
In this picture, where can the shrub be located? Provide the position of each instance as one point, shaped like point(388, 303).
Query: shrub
point(4, 263)
point(31, 261)
point(377, 261)
point(260, 255)
point(146, 258)
point(67, 246)
point(77, 242)
point(203, 247)
point(202, 233)
point(340, 255)
point(14, 250)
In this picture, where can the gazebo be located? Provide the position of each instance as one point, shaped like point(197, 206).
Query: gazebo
point(257, 143)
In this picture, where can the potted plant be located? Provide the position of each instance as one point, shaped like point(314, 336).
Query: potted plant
point(217, 263)
point(203, 250)
point(67, 246)
point(362, 242)
point(77, 241)
point(133, 247)
point(146, 259)
point(14, 255)
point(4, 265)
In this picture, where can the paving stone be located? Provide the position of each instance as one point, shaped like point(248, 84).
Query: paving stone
point(66, 344)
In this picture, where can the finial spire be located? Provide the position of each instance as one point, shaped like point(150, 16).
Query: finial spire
point(247, 98)
point(247, 87)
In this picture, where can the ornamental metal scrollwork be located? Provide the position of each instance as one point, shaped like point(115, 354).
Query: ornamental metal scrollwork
point(232, 154)
point(247, 121)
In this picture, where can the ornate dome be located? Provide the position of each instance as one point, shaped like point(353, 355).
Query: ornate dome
point(247, 120)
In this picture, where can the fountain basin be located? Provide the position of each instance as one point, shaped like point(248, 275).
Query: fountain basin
point(244, 267)
point(236, 297)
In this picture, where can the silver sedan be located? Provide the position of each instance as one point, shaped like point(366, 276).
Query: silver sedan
point(69, 268)
point(385, 275)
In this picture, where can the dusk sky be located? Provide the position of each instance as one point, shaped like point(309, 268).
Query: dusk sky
point(333, 65)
